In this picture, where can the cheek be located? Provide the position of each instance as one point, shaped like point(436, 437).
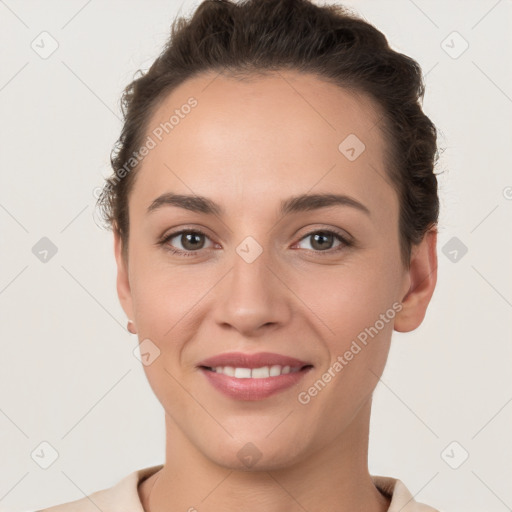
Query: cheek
point(163, 299)
point(347, 299)
point(169, 302)
point(163, 294)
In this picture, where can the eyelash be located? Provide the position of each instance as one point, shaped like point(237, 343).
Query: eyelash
point(164, 242)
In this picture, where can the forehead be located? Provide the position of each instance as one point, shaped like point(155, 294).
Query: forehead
point(282, 134)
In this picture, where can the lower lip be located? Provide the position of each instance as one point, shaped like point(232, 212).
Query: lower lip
point(253, 389)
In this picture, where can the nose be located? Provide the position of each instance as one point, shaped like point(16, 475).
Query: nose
point(252, 298)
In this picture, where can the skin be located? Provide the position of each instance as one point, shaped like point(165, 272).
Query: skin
point(247, 146)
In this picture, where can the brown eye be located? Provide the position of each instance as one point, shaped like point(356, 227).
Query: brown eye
point(185, 242)
point(323, 240)
point(191, 241)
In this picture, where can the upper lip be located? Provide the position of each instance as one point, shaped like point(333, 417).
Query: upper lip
point(258, 360)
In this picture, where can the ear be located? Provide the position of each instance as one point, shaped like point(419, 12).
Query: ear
point(422, 278)
point(123, 282)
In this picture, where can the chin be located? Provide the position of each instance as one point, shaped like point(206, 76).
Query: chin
point(259, 454)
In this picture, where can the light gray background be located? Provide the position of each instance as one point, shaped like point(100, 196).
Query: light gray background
point(67, 372)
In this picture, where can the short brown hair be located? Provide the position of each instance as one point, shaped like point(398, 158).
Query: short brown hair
point(259, 36)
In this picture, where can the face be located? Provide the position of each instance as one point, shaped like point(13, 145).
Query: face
point(321, 284)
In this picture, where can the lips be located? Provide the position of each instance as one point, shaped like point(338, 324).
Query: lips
point(253, 376)
point(259, 360)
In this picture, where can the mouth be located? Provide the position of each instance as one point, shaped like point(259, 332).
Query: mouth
point(262, 372)
point(253, 376)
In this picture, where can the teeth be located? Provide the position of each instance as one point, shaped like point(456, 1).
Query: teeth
point(275, 370)
point(255, 373)
point(260, 373)
point(242, 373)
point(228, 370)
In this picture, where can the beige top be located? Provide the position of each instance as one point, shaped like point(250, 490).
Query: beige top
point(124, 496)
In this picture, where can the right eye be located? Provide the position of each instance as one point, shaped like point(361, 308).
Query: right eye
point(190, 240)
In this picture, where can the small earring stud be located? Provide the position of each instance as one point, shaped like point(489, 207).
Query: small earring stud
point(130, 326)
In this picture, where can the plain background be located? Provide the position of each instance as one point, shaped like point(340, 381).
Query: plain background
point(67, 372)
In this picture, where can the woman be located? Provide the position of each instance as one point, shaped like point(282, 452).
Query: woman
point(264, 130)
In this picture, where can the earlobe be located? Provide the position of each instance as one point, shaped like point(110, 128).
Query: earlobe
point(130, 327)
point(423, 277)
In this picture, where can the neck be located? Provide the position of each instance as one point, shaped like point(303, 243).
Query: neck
point(334, 477)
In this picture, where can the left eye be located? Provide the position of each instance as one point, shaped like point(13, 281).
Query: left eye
point(190, 241)
point(322, 240)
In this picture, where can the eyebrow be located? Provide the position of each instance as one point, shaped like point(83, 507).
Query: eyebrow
point(295, 204)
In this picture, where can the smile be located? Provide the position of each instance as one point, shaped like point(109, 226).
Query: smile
point(243, 376)
point(254, 373)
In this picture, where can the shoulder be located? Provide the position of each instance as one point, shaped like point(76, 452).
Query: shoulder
point(401, 498)
point(120, 497)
